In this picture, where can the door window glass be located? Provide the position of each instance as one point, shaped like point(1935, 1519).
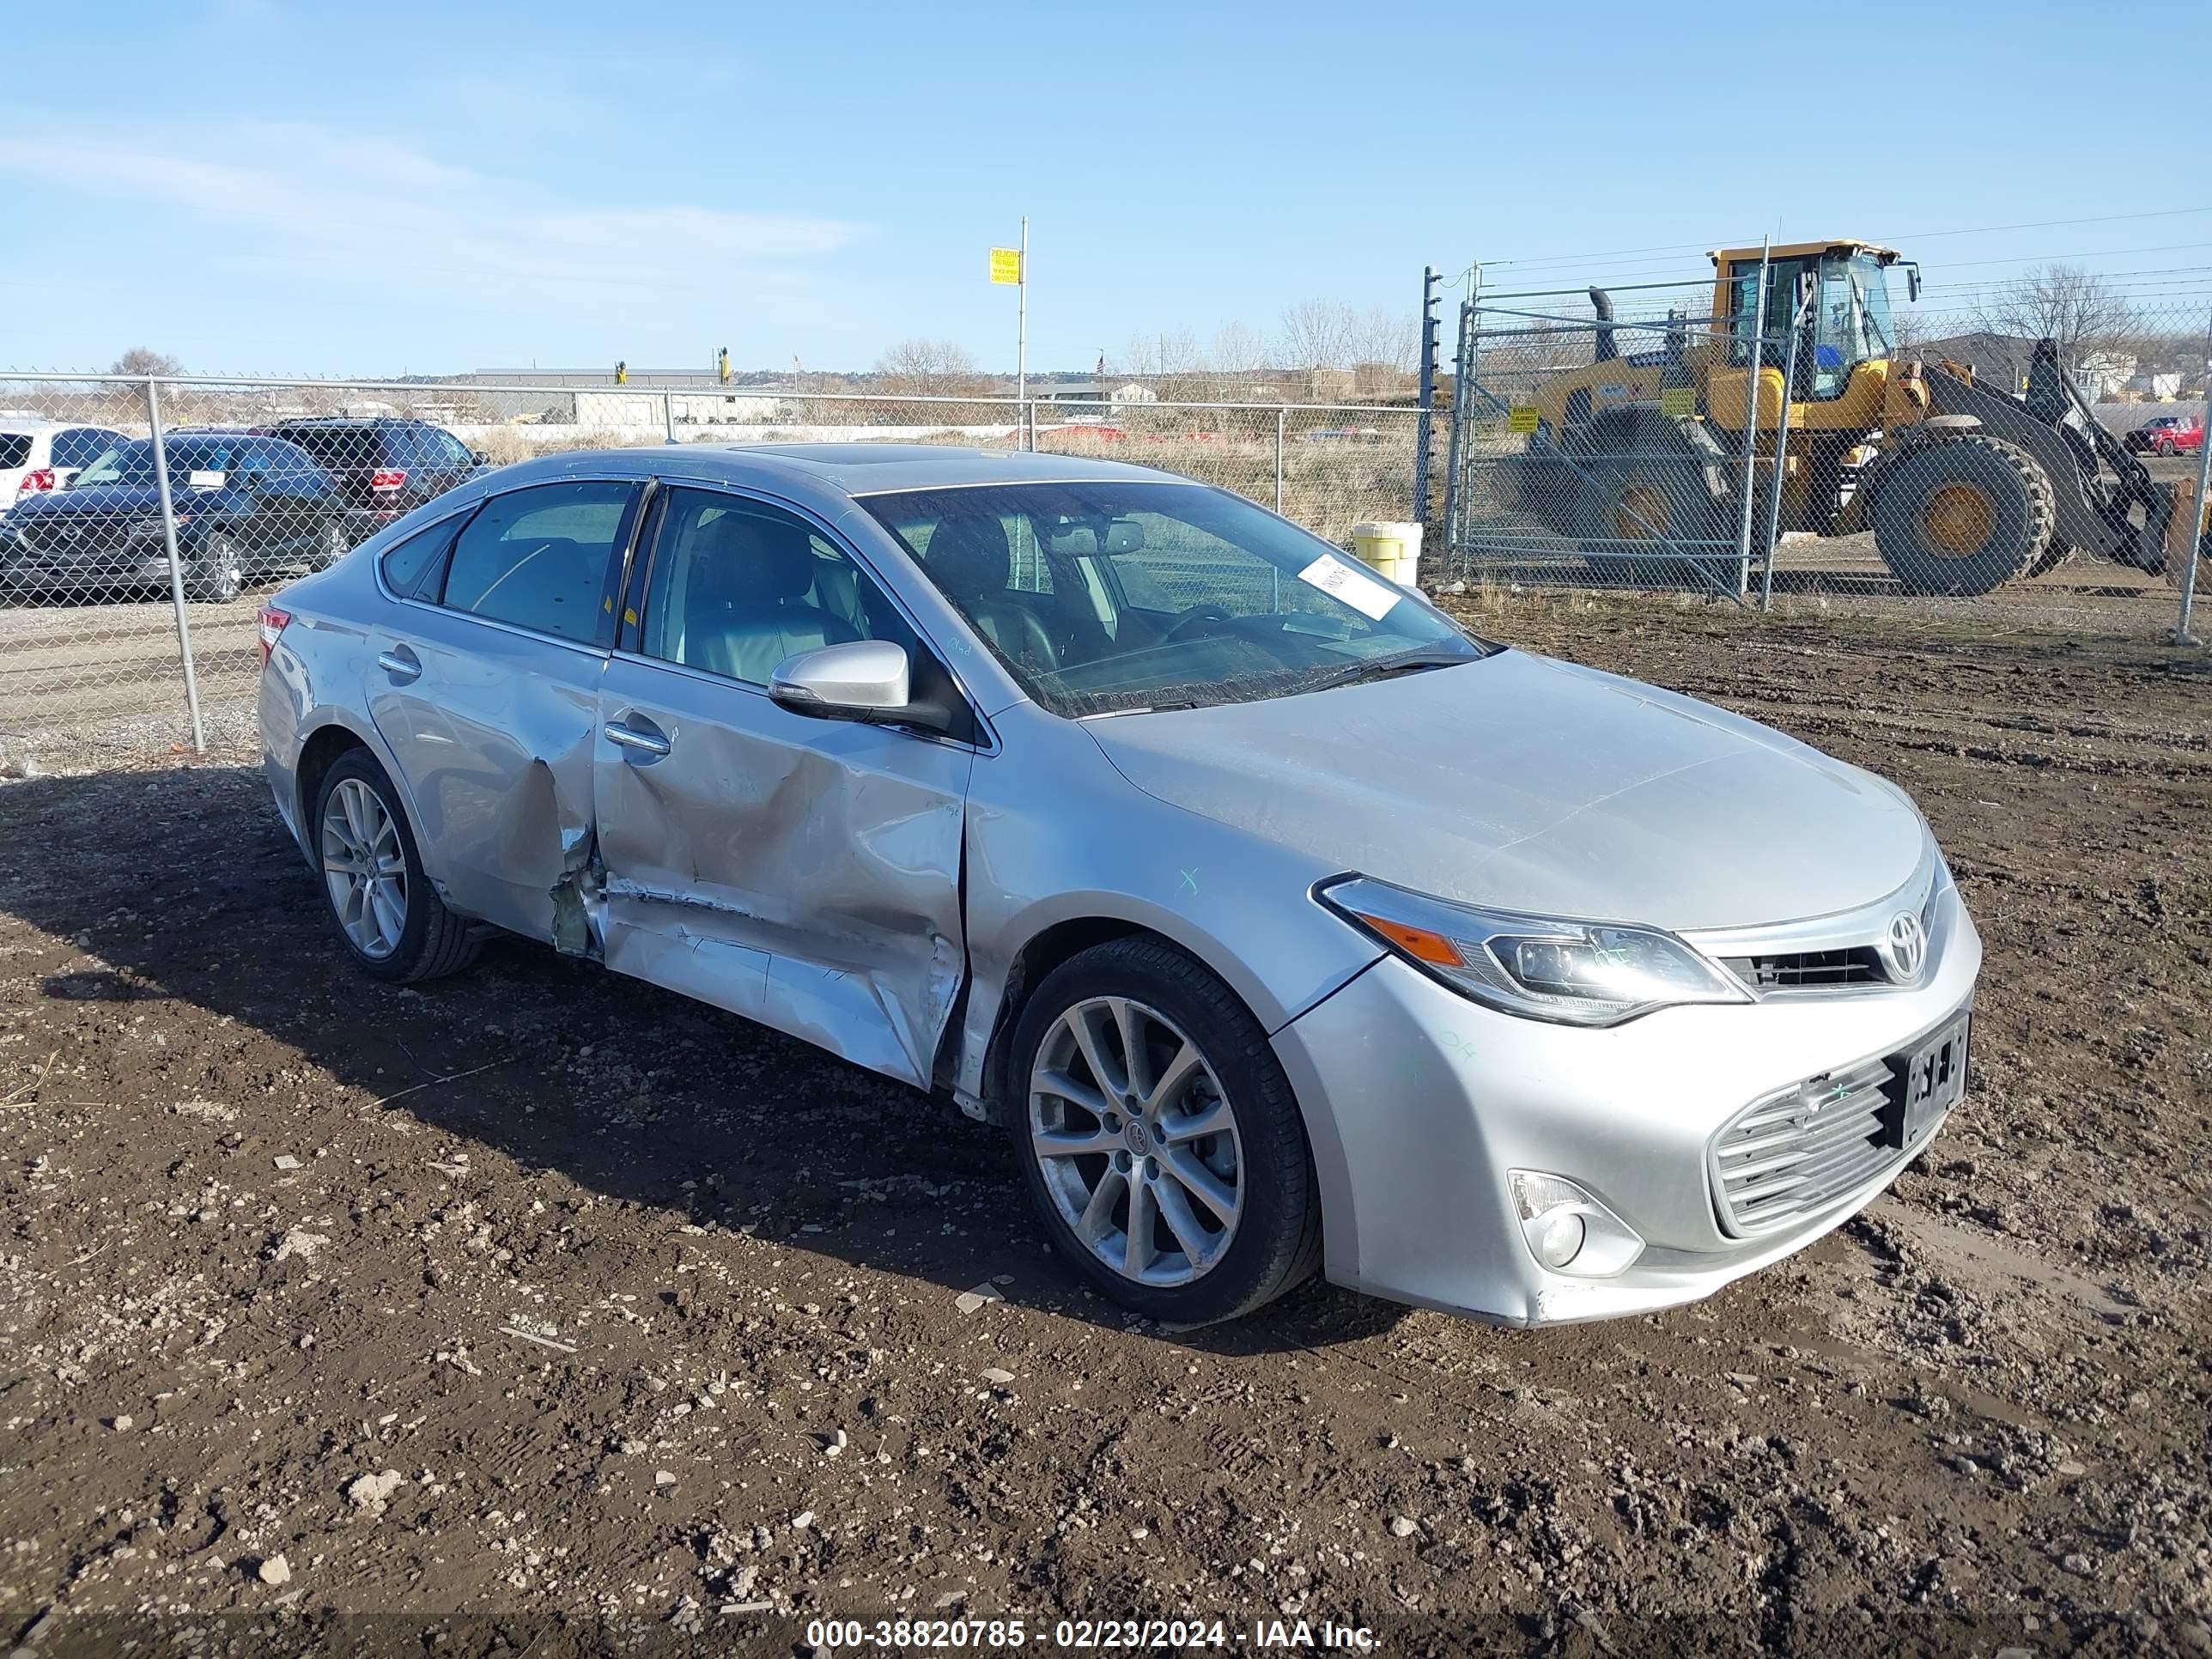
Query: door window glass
point(542, 558)
point(738, 586)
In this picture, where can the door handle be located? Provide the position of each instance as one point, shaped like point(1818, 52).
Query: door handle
point(400, 663)
point(628, 737)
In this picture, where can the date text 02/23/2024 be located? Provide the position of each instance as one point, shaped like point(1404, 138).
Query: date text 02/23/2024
point(1086, 1635)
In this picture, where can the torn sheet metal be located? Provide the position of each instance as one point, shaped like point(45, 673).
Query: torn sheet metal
point(494, 734)
point(803, 873)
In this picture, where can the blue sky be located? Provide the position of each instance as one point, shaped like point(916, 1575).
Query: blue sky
point(386, 186)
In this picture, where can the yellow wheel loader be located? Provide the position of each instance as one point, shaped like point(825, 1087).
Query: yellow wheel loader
point(1965, 486)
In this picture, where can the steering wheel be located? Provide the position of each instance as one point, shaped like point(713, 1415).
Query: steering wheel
point(1208, 613)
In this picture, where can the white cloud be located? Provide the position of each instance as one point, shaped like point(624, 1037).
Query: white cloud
point(370, 210)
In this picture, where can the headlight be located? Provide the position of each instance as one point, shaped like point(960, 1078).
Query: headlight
point(1573, 973)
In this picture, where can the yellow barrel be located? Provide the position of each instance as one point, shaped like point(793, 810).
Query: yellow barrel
point(1393, 549)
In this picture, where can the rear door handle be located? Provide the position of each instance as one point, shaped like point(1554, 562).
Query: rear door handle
point(400, 663)
point(629, 737)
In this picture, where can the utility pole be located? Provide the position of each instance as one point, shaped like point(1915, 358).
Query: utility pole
point(1022, 321)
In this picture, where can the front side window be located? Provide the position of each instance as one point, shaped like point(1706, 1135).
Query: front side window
point(738, 586)
point(1159, 594)
point(543, 558)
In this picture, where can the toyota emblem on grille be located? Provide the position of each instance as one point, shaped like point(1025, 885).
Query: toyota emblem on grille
point(1908, 944)
point(71, 531)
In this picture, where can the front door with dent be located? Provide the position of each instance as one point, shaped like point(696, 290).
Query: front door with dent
point(803, 873)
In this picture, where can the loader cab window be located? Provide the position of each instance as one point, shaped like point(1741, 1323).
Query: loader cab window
point(1851, 323)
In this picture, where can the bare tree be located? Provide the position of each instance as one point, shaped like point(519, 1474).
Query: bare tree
point(2076, 307)
point(927, 368)
point(1385, 346)
point(1237, 356)
point(1316, 335)
point(141, 360)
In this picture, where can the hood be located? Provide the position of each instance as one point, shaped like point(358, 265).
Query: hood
point(1526, 784)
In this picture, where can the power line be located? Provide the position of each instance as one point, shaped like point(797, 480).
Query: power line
point(1915, 236)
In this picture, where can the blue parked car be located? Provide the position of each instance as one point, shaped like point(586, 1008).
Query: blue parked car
point(247, 507)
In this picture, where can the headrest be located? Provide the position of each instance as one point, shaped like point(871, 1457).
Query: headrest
point(967, 554)
point(750, 561)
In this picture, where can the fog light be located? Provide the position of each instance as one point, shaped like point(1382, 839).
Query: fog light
point(1560, 1238)
point(1568, 1230)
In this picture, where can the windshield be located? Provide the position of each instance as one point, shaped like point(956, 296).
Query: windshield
point(1110, 596)
point(132, 463)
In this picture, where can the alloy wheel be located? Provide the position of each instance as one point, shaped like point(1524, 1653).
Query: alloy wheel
point(365, 867)
point(1137, 1141)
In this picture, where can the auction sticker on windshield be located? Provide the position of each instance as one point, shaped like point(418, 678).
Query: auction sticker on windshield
point(1340, 580)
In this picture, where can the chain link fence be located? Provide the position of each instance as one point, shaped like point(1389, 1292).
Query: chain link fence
point(1785, 431)
point(130, 568)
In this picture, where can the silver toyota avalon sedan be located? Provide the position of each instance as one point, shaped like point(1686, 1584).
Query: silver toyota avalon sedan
point(1281, 924)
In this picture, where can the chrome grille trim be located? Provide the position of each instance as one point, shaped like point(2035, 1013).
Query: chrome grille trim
point(1840, 954)
point(1794, 1152)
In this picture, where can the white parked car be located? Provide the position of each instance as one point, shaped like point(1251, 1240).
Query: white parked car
point(38, 455)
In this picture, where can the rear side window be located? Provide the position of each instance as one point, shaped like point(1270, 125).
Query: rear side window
point(15, 448)
point(336, 445)
point(81, 445)
point(544, 559)
point(405, 565)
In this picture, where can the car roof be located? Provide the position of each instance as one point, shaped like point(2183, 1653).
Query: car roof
point(854, 469)
point(352, 420)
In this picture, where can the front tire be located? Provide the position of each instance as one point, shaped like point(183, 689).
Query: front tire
point(1158, 1138)
point(1962, 516)
point(388, 916)
point(216, 574)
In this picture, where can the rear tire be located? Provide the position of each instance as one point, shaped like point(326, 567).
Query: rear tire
point(1963, 516)
point(1650, 489)
point(1230, 1217)
point(388, 916)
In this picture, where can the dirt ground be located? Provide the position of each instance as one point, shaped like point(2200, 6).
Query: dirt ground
point(538, 1311)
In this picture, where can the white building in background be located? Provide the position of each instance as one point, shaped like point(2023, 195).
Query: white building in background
point(1133, 393)
point(2100, 375)
point(632, 406)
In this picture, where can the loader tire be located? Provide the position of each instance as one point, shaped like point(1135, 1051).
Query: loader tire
point(1964, 516)
point(2053, 556)
point(1652, 497)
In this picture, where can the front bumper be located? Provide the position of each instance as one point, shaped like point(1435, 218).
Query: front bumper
point(1418, 1102)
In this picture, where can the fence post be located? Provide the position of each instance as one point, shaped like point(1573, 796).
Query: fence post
point(1282, 412)
point(1754, 368)
point(668, 414)
point(1428, 394)
point(1798, 320)
point(176, 565)
point(1454, 440)
point(2194, 547)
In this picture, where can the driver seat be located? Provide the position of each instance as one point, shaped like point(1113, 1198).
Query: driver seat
point(969, 557)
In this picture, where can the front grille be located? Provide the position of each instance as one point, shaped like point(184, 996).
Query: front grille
point(1797, 970)
point(60, 538)
point(1793, 1154)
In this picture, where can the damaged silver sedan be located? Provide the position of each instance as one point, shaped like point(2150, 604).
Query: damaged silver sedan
point(1282, 925)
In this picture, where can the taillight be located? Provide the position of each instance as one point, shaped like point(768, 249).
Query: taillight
point(273, 623)
point(37, 479)
point(388, 478)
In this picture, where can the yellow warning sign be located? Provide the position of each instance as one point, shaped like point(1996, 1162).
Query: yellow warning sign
point(1007, 265)
point(1678, 402)
point(1521, 417)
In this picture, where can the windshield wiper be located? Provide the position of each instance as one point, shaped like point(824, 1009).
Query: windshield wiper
point(1385, 668)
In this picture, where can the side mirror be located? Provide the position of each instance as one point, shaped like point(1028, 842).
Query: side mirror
point(481, 457)
point(864, 680)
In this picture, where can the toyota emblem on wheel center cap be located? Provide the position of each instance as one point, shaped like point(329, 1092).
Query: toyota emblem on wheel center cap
point(1908, 944)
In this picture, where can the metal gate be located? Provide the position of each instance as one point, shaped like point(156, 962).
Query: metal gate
point(1610, 477)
